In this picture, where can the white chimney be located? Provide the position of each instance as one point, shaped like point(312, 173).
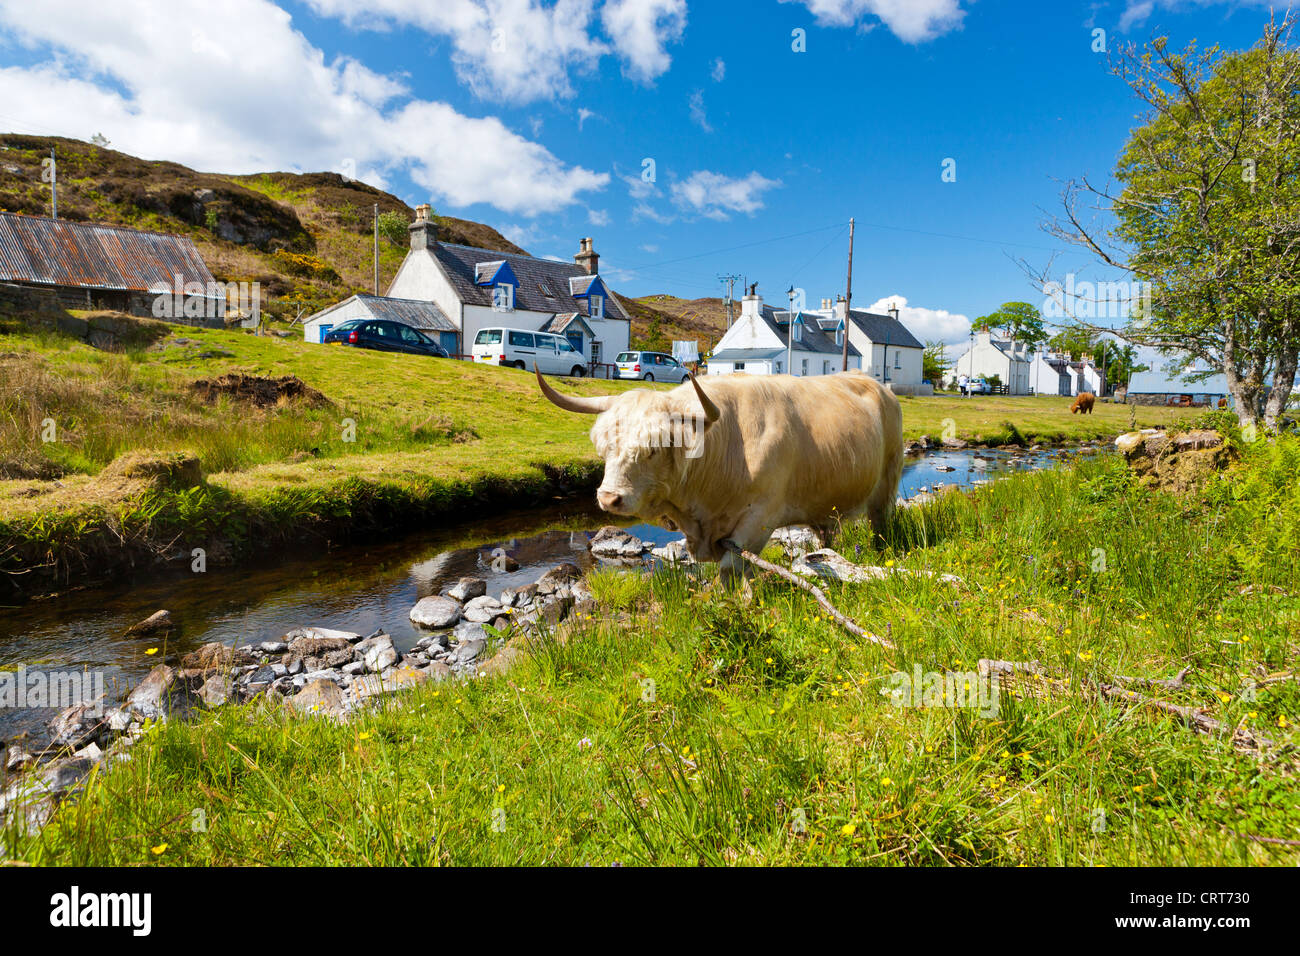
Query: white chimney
point(841, 308)
point(752, 303)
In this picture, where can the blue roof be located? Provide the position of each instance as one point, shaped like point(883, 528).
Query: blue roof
point(1158, 383)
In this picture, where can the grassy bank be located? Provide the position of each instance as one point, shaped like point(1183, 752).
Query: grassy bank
point(764, 714)
point(392, 441)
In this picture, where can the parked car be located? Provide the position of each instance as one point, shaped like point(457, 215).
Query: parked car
point(521, 348)
point(650, 367)
point(384, 336)
point(977, 386)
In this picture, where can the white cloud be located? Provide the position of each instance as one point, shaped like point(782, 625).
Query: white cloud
point(598, 217)
point(698, 115)
point(912, 21)
point(1136, 14)
point(518, 50)
point(525, 50)
point(928, 325)
point(641, 29)
point(584, 114)
point(719, 70)
point(270, 102)
point(715, 195)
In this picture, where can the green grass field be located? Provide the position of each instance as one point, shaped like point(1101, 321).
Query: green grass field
point(770, 737)
point(404, 438)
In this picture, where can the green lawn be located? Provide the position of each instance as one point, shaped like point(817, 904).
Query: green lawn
point(404, 439)
point(769, 739)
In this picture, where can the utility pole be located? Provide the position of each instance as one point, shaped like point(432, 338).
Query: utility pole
point(376, 248)
point(789, 341)
point(848, 305)
point(730, 280)
point(54, 184)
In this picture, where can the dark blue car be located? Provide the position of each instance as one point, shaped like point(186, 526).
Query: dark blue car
point(384, 336)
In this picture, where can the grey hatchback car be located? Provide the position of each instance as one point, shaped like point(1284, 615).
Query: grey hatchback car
point(650, 367)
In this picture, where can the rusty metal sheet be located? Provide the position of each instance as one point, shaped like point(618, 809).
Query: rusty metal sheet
point(92, 255)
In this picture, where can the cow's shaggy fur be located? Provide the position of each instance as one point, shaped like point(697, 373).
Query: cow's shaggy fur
point(1083, 403)
point(784, 451)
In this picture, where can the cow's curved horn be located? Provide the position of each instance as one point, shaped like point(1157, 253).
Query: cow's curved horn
point(711, 412)
point(571, 403)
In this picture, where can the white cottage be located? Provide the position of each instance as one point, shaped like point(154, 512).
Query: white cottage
point(1055, 373)
point(1008, 360)
point(484, 288)
point(768, 341)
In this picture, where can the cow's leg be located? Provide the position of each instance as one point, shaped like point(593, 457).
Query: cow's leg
point(881, 503)
point(752, 535)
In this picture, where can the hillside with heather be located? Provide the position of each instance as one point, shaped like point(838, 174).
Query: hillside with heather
point(307, 238)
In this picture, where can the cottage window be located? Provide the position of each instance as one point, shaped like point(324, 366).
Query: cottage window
point(503, 297)
point(898, 353)
point(778, 367)
point(797, 331)
point(803, 367)
point(839, 336)
point(596, 306)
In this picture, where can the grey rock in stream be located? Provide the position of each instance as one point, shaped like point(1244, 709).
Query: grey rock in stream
point(436, 611)
point(466, 589)
point(520, 596)
point(378, 653)
point(674, 552)
point(482, 609)
point(77, 726)
point(612, 542)
point(558, 577)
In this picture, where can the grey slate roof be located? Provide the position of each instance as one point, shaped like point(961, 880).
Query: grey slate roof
point(746, 355)
point(560, 323)
point(459, 263)
point(885, 330)
point(814, 338)
point(413, 312)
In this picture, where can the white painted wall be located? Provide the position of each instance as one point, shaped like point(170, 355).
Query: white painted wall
point(316, 327)
point(985, 359)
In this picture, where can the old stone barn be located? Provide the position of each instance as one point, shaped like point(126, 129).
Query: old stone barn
point(78, 265)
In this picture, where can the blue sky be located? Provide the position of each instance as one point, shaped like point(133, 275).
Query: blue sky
point(539, 117)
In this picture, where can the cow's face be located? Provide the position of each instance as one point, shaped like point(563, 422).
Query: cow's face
point(647, 438)
point(648, 441)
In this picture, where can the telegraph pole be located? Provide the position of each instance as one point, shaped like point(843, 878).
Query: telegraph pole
point(730, 280)
point(54, 184)
point(848, 305)
point(376, 248)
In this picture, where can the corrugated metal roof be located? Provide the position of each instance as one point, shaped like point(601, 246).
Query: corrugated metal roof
point(92, 255)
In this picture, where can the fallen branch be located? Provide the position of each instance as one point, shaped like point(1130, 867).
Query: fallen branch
point(1272, 841)
point(1194, 717)
point(845, 622)
point(1177, 682)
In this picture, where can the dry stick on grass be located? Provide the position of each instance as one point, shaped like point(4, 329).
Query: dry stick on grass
point(847, 623)
point(1242, 739)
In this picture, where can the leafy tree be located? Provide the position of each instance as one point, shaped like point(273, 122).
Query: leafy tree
point(934, 362)
point(393, 226)
point(1208, 211)
point(1021, 321)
